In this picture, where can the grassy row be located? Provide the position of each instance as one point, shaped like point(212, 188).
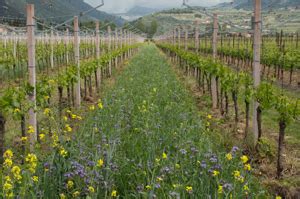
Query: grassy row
point(146, 140)
point(152, 141)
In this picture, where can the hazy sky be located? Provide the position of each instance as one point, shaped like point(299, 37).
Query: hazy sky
point(118, 6)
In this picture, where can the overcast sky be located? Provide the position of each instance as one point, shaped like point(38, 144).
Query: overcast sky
point(119, 6)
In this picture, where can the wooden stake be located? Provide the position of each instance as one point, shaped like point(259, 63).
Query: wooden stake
point(51, 48)
point(109, 48)
point(66, 45)
point(186, 38)
point(77, 62)
point(98, 73)
point(32, 74)
point(256, 61)
point(179, 36)
point(197, 35)
point(213, 78)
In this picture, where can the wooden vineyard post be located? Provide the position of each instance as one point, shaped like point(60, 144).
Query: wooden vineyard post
point(98, 72)
point(179, 37)
point(109, 48)
point(129, 41)
point(66, 45)
point(197, 36)
point(256, 65)
point(173, 37)
point(116, 45)
point(121, 43)
point(213, 78)
point(77, 62)
point(125, 42)
point(186, 37)
point(32, 74)
point(51, 48)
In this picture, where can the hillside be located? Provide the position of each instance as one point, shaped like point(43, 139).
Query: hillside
point(141, 11)
point(273, 20)
point(57, 10)
point(266, 4)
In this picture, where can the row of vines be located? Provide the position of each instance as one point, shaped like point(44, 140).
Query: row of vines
point(239, 85)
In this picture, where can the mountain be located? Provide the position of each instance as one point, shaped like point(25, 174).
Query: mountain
point(54, 10)
point(266, 4)
point(141, 11)
point(274, 20)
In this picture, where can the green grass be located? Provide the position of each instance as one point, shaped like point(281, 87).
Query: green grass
point(151, 139)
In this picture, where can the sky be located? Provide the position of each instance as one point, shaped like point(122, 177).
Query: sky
point(120, 6)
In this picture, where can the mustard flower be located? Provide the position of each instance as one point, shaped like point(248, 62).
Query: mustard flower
point(229, 156)
point(114, 193)
point(220, 189)
point(247, 167)
point(244, 159)
point(189, 189)
point(100, 163)
point(164, 155)
point(215, 173)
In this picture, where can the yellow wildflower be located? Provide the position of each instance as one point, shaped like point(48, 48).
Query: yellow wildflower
point(278, 197)
point(247, 167)
point(68, 128)
point(35, 178)
point(220, 189)
point(215, 173)
point(30, 129)
point(63, 152)
point(114, 193)
point(229, 156)
point(74, 116)
point(209, 116)
point(92, 108)
point(46, 97)
point(76, 194)
point(244, 159)
point(8, 163)
point(148, 187)
point(7, 186)
point(17, 110)
point(159, 179)
point(91, 189)
point(8, 154)
point(100, 105)
point(31, 160)
point(47, 111)
point(236, 174)
point(177, 166)
point(70, 184)
point(42, 136)
point(24, 139)
point(100, 163)
point(9, 194)
point(246, 189)
point(189, 188)
point(16, 173)
point(164, 155)
point(62, 196)
point(65, 118)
